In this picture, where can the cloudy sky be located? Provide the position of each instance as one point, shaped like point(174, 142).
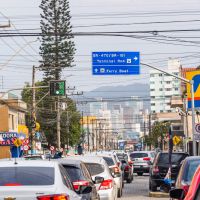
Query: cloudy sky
point(19, 54)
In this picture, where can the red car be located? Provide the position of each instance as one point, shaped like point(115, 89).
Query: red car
point(194, 190)
point(186, 173)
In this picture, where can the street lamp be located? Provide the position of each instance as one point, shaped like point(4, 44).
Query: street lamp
point(191, 82)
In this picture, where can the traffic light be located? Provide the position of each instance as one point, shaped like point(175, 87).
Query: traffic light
point(57, 88)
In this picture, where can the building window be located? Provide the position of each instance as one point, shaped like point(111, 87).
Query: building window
point(11, 122)
point(160, 82)
point(153, 104)
point(152, 89)
point(161, 111)
point(152, 82)
point(160, 74)
point(160, 89)
point(168, 82)
point(152, 97)
point(151, 75)
point(176, 89)
point(168, 89)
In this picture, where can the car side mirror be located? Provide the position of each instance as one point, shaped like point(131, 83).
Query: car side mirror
point(98, 179)
point(177, 194)
point(85, 189)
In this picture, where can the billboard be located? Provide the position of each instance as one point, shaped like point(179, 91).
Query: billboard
point(195, 76)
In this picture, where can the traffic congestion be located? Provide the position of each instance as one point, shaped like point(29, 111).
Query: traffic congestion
point(101, 175)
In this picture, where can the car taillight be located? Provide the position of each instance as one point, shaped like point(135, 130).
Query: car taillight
point(116, 170)
point(130, 162)
point(106, 184)
point(77, 184)
point(185, 188)
point(54, 197)
point(126, 168)
point(155, 169)
point(147, 159)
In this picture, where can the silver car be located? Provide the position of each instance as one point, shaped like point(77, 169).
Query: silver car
point(142, 161)
point(34, 180)
point(97, 166)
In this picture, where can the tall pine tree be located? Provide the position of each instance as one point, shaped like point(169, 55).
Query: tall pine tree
point(57, 52)
point(57, 48)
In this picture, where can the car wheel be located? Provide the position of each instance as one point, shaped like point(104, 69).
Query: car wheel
point(123, 184)
point(119, 193)
point(152, 187)
point(129, 180)
point(140, 173)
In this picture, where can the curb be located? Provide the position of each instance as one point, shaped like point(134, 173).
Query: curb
point(159, 194)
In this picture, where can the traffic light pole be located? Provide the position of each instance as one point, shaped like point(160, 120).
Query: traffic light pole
point(191, 82)
point(58, 123)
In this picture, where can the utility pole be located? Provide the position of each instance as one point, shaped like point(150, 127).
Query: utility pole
point(58, 123)
point(149, 124)
point(67, 130)
point(33, 113)
point(96, 137)
point(93, 134)
point(88, 135)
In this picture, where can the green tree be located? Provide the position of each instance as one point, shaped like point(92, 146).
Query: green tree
point(159, 130)
point(57, 48)
point(46, 116)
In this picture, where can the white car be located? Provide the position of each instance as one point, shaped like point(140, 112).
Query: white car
point(34, 180)
point(115, 169)
point(142, 161)
point(98, 167)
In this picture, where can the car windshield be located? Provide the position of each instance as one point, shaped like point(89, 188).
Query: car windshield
point(95, 168)
point(24, 176)
point(138, 155)
point(122, 156)
point(109, 161)
point(190, 170)
point(176, 158)
point(73, 172)
point(33, 158)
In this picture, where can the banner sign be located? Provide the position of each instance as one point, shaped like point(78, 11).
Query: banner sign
point(8, 138)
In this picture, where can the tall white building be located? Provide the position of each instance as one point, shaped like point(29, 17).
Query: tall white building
point(163, 87)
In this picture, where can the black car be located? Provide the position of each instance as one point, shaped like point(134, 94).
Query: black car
point(126, 167)
point(80, 178)
point(128, 172)
point(160, 167)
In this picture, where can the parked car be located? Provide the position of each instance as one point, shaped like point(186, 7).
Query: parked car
point(97, 166)
point(80, 178)
point(142, 161)
point(194, 189)
point(35, 180)
point(115, 169)
point(160, 168)
point(186, 173)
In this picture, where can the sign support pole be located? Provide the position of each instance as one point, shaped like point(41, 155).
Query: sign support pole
point(193, 118)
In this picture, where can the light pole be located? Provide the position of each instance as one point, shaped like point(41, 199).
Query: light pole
point(191, 82)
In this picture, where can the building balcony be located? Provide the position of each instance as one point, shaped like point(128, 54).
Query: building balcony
point(176, 101)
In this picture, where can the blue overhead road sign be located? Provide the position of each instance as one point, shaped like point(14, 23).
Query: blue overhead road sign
point(115, 63)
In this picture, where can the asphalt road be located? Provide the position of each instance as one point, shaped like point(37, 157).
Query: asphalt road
point(138, 189)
